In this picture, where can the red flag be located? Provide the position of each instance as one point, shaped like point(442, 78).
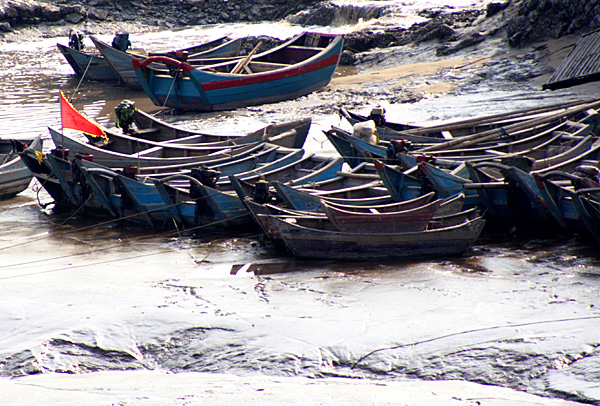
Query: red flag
point(74, 120)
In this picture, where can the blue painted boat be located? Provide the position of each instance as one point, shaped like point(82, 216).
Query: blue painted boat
point(226, 209)
point(89, 65)
point(588, 205)
point(513, 197)
point(298, 67)
point(559, 191)
point(388, 130)
point(404, 185)
point(310, 200)
point(120, 62)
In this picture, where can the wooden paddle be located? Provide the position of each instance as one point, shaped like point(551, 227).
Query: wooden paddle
point(241, 64)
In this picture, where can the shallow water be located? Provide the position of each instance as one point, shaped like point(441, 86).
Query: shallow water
point(81, 296)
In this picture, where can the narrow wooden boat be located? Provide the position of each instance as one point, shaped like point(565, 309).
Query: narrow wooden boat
point(298, 67)
point(322, 243)
point(558, 191)
point(226, 209)
point(182, 197)
point(89, 65)
point(446, 214)
point(587, 203)
point(15, 177)
point(388, 130)
point(547, 143)
point(151, 128)
point(142, 153)
point(375, 222)
point(120, 62)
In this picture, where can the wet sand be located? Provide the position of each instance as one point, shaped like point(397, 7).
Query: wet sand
point(150, 388)
point(108, 291)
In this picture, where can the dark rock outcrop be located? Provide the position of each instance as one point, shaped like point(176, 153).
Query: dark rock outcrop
point(538, 20)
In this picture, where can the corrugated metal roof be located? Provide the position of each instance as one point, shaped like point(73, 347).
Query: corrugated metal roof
point(580, 66)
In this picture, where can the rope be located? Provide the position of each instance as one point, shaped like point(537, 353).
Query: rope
point(82, 76)
point(171, 88)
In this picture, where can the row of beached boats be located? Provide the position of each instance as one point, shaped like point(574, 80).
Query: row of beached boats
point(393, 191)
point(536, 170)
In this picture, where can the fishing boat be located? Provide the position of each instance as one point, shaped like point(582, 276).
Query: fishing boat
point(149, 127)
point(116, 150)
point(548, 142)
point(309, 199)
point(94, 66)
point(225, 206)
point(189, 198)
point(14, 175)
point(320, 242)
point(88, 65)
point(388, 130)
point(120, 62)
point(561, 197)
point(298, 67)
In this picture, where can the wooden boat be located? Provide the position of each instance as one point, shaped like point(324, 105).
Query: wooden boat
point(223, 209)
point(182, 196)
point(120, 62)
point(547, 143)
point(587, 203)
point(446, 215)
point(375, 222)
point(298, 67)
point(324, 243)
point(151, 128)
point(88, 65)
point(14, 175)
point(455, 129)
point(558, 191)
point(307, 199)
point(55, 172)
point(142, 153)
point(512, 198)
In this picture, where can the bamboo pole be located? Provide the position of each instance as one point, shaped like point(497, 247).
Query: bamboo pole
point(240, 65)
point(494, 118)
point(497, 132)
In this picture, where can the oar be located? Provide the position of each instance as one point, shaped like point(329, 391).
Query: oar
point(240, 65)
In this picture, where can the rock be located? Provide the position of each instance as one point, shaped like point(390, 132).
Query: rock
point(434, 30)
point(98, 14)
point(347, 58)
point(28, 10)
point(471, 40)
point(49, 12)
point(5, 26)
point(74, 18)
point(323, 15)
point(494, 8)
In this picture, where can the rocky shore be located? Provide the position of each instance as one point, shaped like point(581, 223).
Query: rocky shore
point(517, 22)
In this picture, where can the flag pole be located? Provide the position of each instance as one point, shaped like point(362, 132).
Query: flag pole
point(62, 128)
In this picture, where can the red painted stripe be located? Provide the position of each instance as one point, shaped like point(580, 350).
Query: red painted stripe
point(250, 80)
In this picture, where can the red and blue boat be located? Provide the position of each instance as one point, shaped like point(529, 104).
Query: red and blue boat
point(300, 66)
